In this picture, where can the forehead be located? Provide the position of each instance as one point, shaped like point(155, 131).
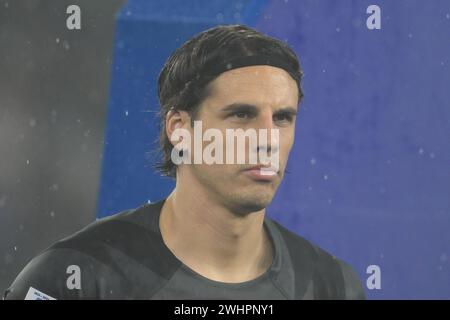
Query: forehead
point(255, 84)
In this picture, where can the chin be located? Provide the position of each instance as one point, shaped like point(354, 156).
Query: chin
point(244, 205)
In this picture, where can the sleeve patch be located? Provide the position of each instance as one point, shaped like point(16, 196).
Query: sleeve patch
point(34, 294)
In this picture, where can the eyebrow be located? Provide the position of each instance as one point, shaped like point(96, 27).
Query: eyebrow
point(250, 107)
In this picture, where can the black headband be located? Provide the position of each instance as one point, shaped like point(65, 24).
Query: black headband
point(255, 60)
point(246, 61)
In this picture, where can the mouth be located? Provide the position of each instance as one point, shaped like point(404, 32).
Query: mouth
point(261, 173)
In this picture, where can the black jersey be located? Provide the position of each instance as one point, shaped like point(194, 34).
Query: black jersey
point(124, 257)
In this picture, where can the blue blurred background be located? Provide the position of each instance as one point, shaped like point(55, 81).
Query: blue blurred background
point(370, 171)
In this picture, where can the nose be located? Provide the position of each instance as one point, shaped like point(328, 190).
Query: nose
point(265, 120)
point(268, 136)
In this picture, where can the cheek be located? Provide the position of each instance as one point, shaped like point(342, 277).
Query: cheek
point(286, 143)
point(216, 176)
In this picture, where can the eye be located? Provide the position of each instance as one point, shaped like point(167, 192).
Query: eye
point(283, 117)
point(241, 115)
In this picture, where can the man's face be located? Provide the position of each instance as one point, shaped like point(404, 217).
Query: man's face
point(254, 97)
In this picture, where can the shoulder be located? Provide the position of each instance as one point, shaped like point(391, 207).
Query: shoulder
point(319, 271)
point(95, 262)
point(47, 276)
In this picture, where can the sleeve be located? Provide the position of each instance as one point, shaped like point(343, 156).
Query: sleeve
point(55, 274)
point(353, 287)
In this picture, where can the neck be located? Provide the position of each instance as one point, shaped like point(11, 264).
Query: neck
point(212, 240)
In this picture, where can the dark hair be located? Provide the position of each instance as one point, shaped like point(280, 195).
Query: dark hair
point(182, 85)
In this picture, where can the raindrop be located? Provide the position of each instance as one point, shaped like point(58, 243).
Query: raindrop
point(53, 116)
point(32, 122)
point(66, 45)
point(219, 17)
point(2, 201)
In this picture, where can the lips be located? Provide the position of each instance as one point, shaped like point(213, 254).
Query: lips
point(261, 173)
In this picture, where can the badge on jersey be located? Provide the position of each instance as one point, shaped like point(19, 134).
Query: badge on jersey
point(34, 294)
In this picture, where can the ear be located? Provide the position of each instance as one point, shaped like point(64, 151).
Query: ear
point(176, 119)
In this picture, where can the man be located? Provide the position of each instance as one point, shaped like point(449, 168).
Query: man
point(210, 238)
